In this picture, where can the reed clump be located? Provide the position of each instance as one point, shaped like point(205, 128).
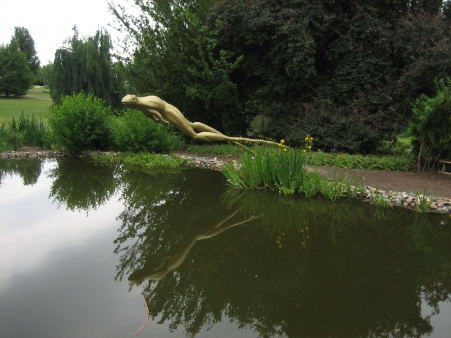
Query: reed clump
point(25, 130)
point(285, 170)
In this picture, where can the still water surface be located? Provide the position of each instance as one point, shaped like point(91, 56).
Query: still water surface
point(80, 245)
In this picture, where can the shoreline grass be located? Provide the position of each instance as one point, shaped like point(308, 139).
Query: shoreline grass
point(285, 171)
point(146, 162)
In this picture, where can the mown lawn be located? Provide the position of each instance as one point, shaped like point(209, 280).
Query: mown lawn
point(13, 106)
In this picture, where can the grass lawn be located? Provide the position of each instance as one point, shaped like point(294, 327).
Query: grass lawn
point(37, 92)
point(13, 106)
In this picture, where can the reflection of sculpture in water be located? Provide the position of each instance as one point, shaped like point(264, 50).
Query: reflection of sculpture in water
point(162, 112)
point(157, 268)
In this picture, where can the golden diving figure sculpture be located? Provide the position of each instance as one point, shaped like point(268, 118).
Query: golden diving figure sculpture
point(162, 112)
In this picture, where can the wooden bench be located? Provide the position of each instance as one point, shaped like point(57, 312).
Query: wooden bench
point(444, 164)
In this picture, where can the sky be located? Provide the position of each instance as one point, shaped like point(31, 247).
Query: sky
point(50, 22)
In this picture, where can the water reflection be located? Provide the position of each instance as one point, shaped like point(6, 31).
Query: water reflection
point(156, 268)
point(80, 185)
point(29, 169)
point(279, 266)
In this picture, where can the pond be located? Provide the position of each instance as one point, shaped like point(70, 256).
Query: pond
point(85, 250)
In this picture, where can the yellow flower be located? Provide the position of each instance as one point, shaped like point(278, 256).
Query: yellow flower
point(284, 149)
point(306, 138)
point(280, 145)
point(282, 141)
point(303, 150)
point(310, 147)
point(311, 138)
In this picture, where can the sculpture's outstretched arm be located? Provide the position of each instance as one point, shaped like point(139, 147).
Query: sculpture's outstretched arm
point(156, 116)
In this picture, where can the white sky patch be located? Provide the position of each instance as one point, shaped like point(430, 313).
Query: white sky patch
point(50, 22)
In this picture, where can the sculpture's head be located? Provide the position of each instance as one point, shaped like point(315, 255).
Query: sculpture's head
point(130, 100)
point(140, 276)
point(154, 269)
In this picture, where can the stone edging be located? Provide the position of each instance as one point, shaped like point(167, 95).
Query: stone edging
point(38, 154)
point(394, 198)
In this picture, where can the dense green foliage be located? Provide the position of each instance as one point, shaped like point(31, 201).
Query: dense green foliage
point(85, 65)
point(134, 132)
point(345, 72)
point(81, 122)
point(431, 124)
point(342, 71)
point(15, 74)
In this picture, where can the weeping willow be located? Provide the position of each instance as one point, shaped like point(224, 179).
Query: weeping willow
point(84, 65)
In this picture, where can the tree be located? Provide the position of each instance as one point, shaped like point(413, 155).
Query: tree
point(15, 75)
point(331, 69)
point(25, 44)
point(174, 56)
point(45, 74)
point(85, 65)
point(431, 124)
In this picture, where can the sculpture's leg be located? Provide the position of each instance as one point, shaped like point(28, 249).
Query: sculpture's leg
point(211, 137)
point(198, 126)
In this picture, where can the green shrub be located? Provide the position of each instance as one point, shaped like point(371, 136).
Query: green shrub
point(401, 146)
point(80, 122)
point(431, 124)
point(133, 132)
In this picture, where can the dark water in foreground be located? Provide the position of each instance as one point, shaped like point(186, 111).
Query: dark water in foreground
point(210, 261)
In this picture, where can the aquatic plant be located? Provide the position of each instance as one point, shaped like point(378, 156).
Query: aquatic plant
point(284, 170)
point(26, 130)
point(422, 202)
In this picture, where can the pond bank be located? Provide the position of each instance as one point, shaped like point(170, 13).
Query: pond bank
point(407, 199)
